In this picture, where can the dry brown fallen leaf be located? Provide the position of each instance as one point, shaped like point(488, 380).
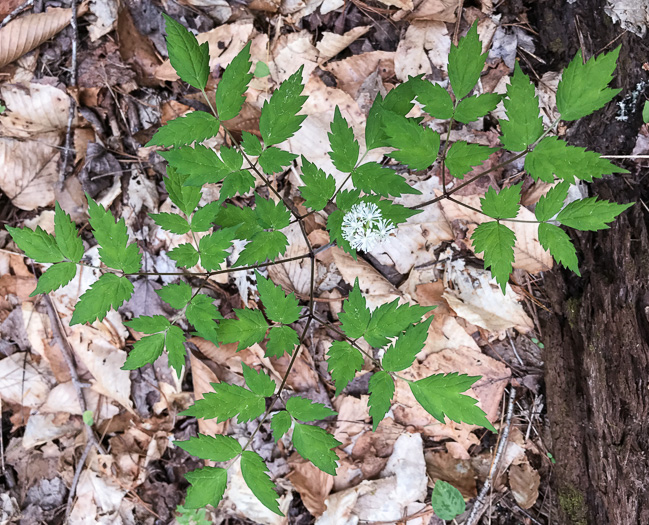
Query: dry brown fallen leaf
point(33, 109)
point(425, 43)
point(26, 33)
point(28, 171)
point(312, 484)
point(524, 481)
point(332, 43)
point(457, 472)
point(351, 72)
point(439, 10)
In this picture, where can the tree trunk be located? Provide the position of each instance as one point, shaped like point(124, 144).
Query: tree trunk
point(597, 334)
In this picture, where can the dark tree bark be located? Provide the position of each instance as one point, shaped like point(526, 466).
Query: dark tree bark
point(597, 335)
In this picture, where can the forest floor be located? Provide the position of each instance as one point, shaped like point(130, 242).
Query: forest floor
point(125, 89)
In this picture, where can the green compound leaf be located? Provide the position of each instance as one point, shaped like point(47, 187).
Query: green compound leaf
point(275, 160)
point(201, 312)
point(524, 125)
point(344, 146)
point(233, 85)
point(187, 57)
point(149, 324)
point(175, 345)
point(558, 243)
point(465, 63)
point(204, 217)
point(584, 87)
point(199, 164)
point(240, 182)
point(146, 350)
point(307, 410)
point(114, 251)
point(279, 307)
point(315, 445)
point(185, 197)
point(435, 99)
point(37, 244)
point(371, 177)
point(272, 214)
point(254, 472)
point(502, 205)
point(67, 237)
point(251, 144)
point(390, 320)
point(343, 361)
point(230, 215)
point(417, 146)
point(232, 158)
point(356, 315)
point(462, 157)
point(227, 401)
point(402, 353)
point(441, 394)
point(279, 119)
point(196, 126)
point(214, 248)
point(281, 339)
point(108, 291)
point(280, 424)
point(552, 156)
point(334, 226)
point(645, 112)
point(214, 448)
point(258, 382)
point(263, 245)
point(398, 101)
point(381, 389)
point(590, 214)
point(207, 486)
point(318, 187)
point(475, 107)
point(171, 222)
point(55, 277)
point(551, 203)
point(248, 329)
point(497, 243)
point(184, 255)
point(447, 501)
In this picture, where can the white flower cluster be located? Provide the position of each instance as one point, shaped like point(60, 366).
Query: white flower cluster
point(364, 227)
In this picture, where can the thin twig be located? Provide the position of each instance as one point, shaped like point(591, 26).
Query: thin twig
point(67, 353)
point(73, 87)
point(16, 12)
point(477, 506)
point(75, 480)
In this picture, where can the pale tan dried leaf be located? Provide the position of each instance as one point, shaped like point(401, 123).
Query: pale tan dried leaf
point(401, 4)
point(313, 485)
point(331, 43)
point(476, 297)
point(351, 72)
point(28, 171)
point(289, 52)
point(331, 5)
point(457, 472)
point(202, 376)
point(425, 43)
point(28, 32)
point(439, 10)
point(23, 382)
point(416, 240)
point(33, 109)
point(105, 18)
point(524, 481)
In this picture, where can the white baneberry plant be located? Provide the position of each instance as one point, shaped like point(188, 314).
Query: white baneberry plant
point(358, 219)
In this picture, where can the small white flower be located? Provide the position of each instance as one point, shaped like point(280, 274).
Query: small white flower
point(364, 226)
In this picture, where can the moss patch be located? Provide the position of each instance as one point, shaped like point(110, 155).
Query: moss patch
point(572, 504)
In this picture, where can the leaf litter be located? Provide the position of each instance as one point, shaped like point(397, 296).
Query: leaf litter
point(127, 88)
